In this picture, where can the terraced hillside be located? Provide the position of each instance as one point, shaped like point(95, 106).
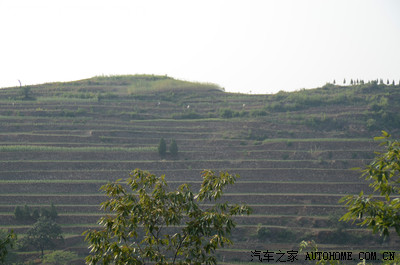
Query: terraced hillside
point(60, 142)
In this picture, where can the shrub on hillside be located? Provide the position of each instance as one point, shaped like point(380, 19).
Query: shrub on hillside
point(257, 113)
point(25, 214)
point(162, 147)
point(173, 148)
point(226, 113)
point(189, 115)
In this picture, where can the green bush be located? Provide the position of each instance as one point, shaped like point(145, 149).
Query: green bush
point(257, 113)
point(7, 241)
point(25, 214)
point(189, 115)
point(263, 233)
point(173, 148)
point(162, 147)
point(226, 113)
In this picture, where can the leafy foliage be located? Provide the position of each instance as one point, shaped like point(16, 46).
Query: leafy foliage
point(6, 241)
point(226, 113)
point(25, 214)
point(379, 213)
point(22, 213)
point(26, 93)
point(150, 224)
point(173, 148)
point(162, 147)
point(44, 233)
point(59, 257)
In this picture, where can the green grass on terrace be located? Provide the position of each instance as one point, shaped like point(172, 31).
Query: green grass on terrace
point(148, 83)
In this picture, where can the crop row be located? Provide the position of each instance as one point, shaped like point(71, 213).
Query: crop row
point(248, 198)
point(36, 148)
point(98, 153)
point(294, 210)
point(277, 220)
point(168, 165)
point(194, 174)
point(269, 187)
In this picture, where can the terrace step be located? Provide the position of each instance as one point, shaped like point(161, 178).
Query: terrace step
point(248, 198)
point(250, 174)
point(240, 187)
point(301, 210)
point(167, 165)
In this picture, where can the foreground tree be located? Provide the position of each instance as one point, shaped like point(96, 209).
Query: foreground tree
point(6, 242)
point(44, 233)
point(148, 224)
point(379, 214)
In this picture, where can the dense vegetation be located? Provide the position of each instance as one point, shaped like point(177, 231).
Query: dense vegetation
point(145, 223)
point(60, 142)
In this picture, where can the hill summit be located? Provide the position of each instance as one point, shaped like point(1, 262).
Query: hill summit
point(356, 109)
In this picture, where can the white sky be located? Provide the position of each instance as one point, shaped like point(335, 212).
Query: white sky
point(261, 46)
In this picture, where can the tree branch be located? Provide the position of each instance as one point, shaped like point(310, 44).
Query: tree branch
point(178, 248)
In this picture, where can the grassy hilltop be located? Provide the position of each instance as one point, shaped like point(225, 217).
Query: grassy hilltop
point(59, 142)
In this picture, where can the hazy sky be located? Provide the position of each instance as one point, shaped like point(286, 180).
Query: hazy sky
point(261, 46)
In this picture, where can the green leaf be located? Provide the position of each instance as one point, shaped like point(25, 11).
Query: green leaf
point(379, 215)
point(136, 225)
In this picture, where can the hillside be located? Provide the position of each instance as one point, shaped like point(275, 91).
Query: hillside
point(59, 142)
